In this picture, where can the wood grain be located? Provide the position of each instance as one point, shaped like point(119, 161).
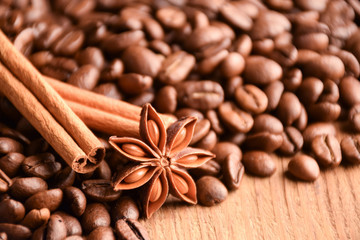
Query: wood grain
point(270, 208)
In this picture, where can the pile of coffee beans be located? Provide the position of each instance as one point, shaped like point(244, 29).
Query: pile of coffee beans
point(262, 77)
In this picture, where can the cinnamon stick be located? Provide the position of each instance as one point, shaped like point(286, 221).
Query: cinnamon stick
point(29, 106)
point(52, 101)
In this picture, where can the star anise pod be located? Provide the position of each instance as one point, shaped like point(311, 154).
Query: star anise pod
point(159, 160)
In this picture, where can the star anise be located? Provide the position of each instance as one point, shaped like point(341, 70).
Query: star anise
point(159, 160)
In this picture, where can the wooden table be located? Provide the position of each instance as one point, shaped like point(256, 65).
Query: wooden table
point(270, 208)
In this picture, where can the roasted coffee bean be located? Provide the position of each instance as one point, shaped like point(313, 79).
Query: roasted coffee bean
point(40, 233)
point(95, 216)
point(210, 168)
point(273, 92)
point(75, 237)
point(56, 228)
point(202, 128)
point(50, 199)
point(100, 190)
point(327, 151)
point(129, 229)
point(267, 123)
point(289, 108)
point(86, 77)
point(354, 118)
point(302, 121)
point(15, 231)
point(36, 146)
point(202, 95)
point(232, 84)
point(232, 65)
point(24, 41)
point(113, 71)
point(23, 188)
point(350, 149)
point(140, 100)
point(315, 41)
point(264, 141)
point(208, 142)
point(11, 163)
point(63, 178)
point(243, 45)
point(223, 149)
point(352, 67)
point(236, 16)
point(60, 68)
point(75, 199)
point(330, 92)
point(161, 47)
point(317, 129)
point(210, 191)
point(304, 168)
point(5, 131)
point(35, 218)
point(11, 112)
point(251, 99)
point(72, 224)
point(349, 91)
point(166, 99)
point(49, 36)
point(215, 121)
point(324, 111)
point(202, 37)
point(171, 17)
point(292, 79)
point(189, 112)
point(69, 43)
point(310, 90)
point(263, 47)
point(92, 56)
point(176, 67)
point(259, 163)
point(3, 236)
point(208, 65)
point(109, 90)
point(103, 171)
point(42, 165)
point(292, 141)
point(8, 145)
point(125, 207)
point(234, 118)
point(233, 171)
point(11, 211)
point(325, 67)
point(116, 43)
point(101, 233)
point(261, 71)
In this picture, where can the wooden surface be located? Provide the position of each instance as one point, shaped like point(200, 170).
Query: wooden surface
point(270, 208)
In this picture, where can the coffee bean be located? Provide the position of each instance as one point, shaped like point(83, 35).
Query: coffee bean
point(42, 165)
point(232, 65)
point(233, 171)
point(69, 43)
point(310, 5)
point(56, 228)
point(140, 100)
point(60, 68)
point(101, 233)
point(234, 118)
point(72, 224)
point(273, 92)
point(8, 145)
point(125, 207)
point(292, 141)
point(36, 146)
point(161, 47)
point(202, 95)
point(324, 111)
point(103, 171)
point(202, 37)
point(166, 99)
point(49, 36)
point(3, 236)
point(350, 149)
point(325, 67)
point(24, 41)
point(176, 67)
point(109, 90)
point(251, 99)
point(113, 71)
point(302, 121)
point(232, 84)
point(15, 231)
point(315, 41)
point(116, 43)
point(210, 168)
point(269, 24)
point(259, 163)
point(215, 121)
point(11, 211)
point(243, 45)
point(354, 117)
point(95, 216)
point(352, 67)
point(5, 131)
point(261, 71)
point(133, 83)
point(75, 238)
point(202, 128)
point(292, 79)
point(92, 56)
point(208, 142)
point(267, 123)
point(100, 190)
point(75, 199)
point(210, 191)
point(304, 168)
point(317, 129)
point(310, 90)
point(208, 65)
point(50, 199)
point(349, 88)
point(35, 218)
point(223, 149)
point(23, 188)
point(236, 16)
point(129, 229)
point(330, 92)
point(11, 162)
point(264, 141)
point(171, 17)
point(189, 112)
point(289, 108)
point(86, 77)
point(263, 47)
point(326, 150)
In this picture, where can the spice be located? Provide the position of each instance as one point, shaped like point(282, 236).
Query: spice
point(157, 162)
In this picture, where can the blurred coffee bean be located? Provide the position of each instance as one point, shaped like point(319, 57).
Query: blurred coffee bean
point(159, 46)
point(116, 43)
point(202, 128)
point(243, 45)
point(7, 109)
point(202, 95)
point(109, 90)
point(289, 108)
point(292, 141)
point(324, 111)
point(133, 83)
point(23, 188)
point(63, 178)
point(103, 171)
point(100, 190)
point(56, 228)
point(130, 229)
point(325, 66)
point(125, 207)
point(101, 233)
point(349, 91)
point(273, 92)
point(330, 93)
point(35, 218)
point(208, 142)
point(261, 71)
point(209, 64)
point(166, 99)
point(304, 168)
point(326, 150)
point(233, 171)
point(232, 65)
point(315, 41)
point(8, 145)
point(223, 149)
point(354, 118)
point(36, 146)
point(210, 191)
point(11, 211)
point(141, 99)
point(75, 200)
point(171, 17)
point(95, 215)
point(202, 37)
point(24, 41)
point(92, 56)
point(86, 77)
point(310, 90)
point(302, 121)
point(11, 163)
point(350, 149)
point(292, 79)
point(42, 165)
point(232, 84)
point(50, 199)
point(234, 118)
point(72, 224)
point(15, 231)
point(236, 16)
point(263, 47)
point(215, 121)
point(5, 131)
point(251, 99)
point(69, 43)
point(210, 168)
point(113, 71)
point(189, 112)
point(259, 163)
point(60, 68)
point(317, 129)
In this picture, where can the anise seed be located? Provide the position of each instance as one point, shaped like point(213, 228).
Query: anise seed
point(153, 131)
point(136, 176)
point(133, 150)
point(156, 191)
point(180, 183)
point(179, 138)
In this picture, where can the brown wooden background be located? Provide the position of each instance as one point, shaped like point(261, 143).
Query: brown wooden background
point(270, 208)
